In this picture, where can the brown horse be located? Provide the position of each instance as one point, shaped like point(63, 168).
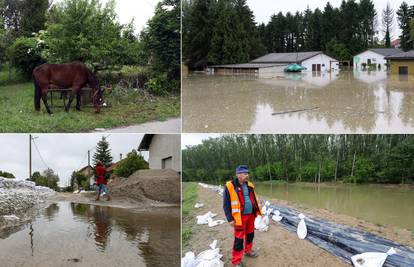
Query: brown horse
point(74, 75)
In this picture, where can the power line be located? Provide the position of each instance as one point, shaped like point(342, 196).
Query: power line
point(40, 155)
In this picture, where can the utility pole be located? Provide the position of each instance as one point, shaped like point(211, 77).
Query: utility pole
point(30, 156)
point(89, 158)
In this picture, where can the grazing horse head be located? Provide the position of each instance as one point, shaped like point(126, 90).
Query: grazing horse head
point(97, 92)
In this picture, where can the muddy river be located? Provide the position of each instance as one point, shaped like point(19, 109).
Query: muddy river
point(69, 234)
point(383, 205)
point(345, 102)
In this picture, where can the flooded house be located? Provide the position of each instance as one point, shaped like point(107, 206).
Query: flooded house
point(164, 151)
point(402, 63)
point(274, 63)
point(375, 57)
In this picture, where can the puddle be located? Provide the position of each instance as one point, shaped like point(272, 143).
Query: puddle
point(345, 102)
point(71, 234)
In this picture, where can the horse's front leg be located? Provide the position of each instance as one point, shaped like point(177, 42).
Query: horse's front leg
point(78, 101)
point(44, 98)
point(75, 90)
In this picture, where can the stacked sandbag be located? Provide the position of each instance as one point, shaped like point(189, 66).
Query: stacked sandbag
point(19, 195)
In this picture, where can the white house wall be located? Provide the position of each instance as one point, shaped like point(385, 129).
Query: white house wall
point(375, 58)
point(163, 146)
point(322, 59)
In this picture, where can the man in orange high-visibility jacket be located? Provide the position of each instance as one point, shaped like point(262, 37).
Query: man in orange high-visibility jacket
point(241, 207)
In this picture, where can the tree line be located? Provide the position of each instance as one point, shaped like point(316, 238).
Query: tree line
point(36, 31)
point(303, 158)
point(225, 31)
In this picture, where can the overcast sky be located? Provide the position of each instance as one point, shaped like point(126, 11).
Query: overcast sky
point(64, 153)
point(141, 10)
point(195, 139)
point(264, 9)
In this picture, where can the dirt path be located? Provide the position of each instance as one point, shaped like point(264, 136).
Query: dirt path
point(277, 247)
point(168, 126)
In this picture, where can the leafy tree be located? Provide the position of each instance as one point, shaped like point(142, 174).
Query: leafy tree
point(25, 55)
point(48, 179)
point(198, 22)
point(103, 153)
point(51, 178)
point(338, 50)
point(162, 40)
point(403, 18)
point(84, 30)
point(312, 158)
point(7, 175)
point(131, 164)
point(80, 179)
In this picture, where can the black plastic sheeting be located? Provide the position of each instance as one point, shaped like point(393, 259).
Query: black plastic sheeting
point(343, 241)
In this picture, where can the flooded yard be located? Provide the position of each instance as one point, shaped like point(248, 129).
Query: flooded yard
point(383, 205)
point(72, 234)
point(345, 102)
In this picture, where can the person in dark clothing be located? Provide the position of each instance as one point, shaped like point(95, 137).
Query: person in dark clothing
point(241, 207)
point(101, 181)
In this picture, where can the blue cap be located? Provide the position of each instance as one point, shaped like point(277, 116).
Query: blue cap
point(242, 169)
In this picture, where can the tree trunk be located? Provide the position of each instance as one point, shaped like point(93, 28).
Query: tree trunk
point(353, 165)
point(336, 166)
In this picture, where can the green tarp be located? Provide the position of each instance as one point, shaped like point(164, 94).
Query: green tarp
point(294, 68)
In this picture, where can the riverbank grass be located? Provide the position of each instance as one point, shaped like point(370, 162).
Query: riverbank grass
point(189, 197)
point(17, 112)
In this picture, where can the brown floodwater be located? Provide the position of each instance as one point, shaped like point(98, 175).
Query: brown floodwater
point(383, 205)
point(344, 102)
point(70, 234)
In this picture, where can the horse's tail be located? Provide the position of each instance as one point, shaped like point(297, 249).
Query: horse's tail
point(37, 94)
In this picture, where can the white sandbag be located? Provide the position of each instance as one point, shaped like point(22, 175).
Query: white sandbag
point(215, 223)
point(260, 223)
point(198, 205)
point(188, 260)
point(302, 231)
point(207, 258)
point(10, 217)
point(206, 218)
point(371, 259)
point(276, 216)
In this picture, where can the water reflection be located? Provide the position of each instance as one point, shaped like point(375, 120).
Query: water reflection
point(95, 236)
point(348, 103)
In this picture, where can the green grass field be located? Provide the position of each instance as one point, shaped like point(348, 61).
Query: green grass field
point(17, 113)
point(188, 200)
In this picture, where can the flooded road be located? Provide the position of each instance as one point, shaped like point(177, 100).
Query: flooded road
point(345, 102)
point(384, 205)
point(70, 234)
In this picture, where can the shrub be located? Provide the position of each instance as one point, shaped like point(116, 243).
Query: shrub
point(25, 55)
point(161, 85)
point(131, 164)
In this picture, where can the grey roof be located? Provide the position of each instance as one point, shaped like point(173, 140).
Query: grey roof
point(247, 66)
point(286, 57)
point(403, 55)
point(386, 51)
